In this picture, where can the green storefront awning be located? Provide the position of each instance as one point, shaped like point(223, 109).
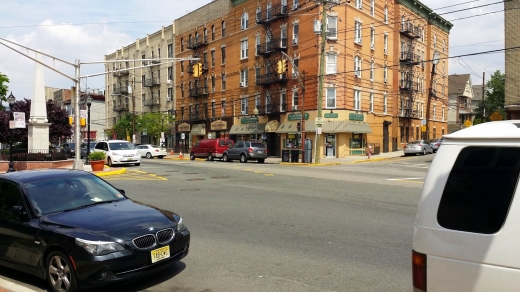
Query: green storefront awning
point(287, 128)
point(198, 130)
point(340, 127)
point(247, 129)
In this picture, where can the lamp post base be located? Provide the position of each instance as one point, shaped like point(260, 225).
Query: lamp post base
point(11, 167)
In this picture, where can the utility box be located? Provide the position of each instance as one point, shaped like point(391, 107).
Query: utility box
point(285, 155)
point(307, 146)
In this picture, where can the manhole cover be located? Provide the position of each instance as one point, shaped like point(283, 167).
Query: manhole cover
point(190, 173)
point(222, 176)
point(193, 179)
point(190, 190)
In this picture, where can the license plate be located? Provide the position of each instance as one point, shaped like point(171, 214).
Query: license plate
point(128, 159)
point(160, 253)
point(259, 151)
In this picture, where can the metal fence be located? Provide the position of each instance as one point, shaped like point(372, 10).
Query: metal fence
point(21, 154)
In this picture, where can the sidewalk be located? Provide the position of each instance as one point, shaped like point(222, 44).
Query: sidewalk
point(326, 161)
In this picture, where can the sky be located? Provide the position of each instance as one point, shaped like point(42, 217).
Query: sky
point(88, 30)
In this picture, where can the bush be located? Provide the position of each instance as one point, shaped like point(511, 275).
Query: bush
point(96, 155)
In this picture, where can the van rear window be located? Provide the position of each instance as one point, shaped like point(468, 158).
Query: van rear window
point(480, 189)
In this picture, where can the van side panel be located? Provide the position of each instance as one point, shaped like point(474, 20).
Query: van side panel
point(446, 275)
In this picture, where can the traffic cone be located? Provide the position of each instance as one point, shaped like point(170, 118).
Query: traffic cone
point(180, 155)
point(171, 151)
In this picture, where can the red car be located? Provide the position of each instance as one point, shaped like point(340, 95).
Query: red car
point(210, 148)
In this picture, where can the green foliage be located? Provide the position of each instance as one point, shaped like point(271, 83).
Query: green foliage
point(477, 121)
point(154, 124)
point(96, 155)
point(494, 97)
point(3, 87)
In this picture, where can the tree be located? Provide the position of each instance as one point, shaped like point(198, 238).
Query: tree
point(155, 123)
point(3, 87)
point(56, 116)
point(494, 97)
point(123, 128)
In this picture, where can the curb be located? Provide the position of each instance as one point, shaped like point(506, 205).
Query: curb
point(309, 164)
point(375, 159)
point(107, 173)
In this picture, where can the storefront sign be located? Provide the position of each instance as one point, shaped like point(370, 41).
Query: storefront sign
point(218, 125)
point(184, 127)
point(331, 115)
point(356, 117)
point(249, 120)
point(297, 117)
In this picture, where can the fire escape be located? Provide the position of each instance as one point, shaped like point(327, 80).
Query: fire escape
point(408, 60)
point(271, 81)
point(153, 84)
point(198, 89)
point(120, 91)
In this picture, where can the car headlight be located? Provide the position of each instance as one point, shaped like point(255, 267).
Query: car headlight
point(115, 154)
point(99, 247)
point(180, 225)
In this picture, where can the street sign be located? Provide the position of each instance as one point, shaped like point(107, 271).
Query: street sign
point(496, 116)
point(423, 122)
point(318, 121)
point(467, 123)
point(423, 128)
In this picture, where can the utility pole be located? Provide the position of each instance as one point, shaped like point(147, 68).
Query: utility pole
point(319, 118)
point(435, 61)
point(483, 97)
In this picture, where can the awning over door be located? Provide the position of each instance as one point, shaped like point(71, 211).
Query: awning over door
point(247, 129)
point(340, 127)
point(198, 130)
point(287, 128)
point(271, 126)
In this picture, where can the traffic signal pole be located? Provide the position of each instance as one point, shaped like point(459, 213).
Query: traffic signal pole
point(319, 118)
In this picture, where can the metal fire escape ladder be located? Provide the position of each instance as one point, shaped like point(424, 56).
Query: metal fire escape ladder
point(408, 60)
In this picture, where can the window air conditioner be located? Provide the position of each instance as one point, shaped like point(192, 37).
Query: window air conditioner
point(295, 6)
point(386, 51)
point(386, 80)
point(295, 107)
point(242, 84)
point(169, 98)
point(243, 112)
point(295, 41)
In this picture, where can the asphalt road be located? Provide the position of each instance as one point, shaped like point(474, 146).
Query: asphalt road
point(262, 227)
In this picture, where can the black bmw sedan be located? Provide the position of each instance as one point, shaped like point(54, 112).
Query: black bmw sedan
point(78, 231)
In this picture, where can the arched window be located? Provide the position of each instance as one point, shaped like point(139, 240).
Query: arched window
point(244, 21)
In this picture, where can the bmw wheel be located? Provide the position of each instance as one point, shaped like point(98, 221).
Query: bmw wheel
point(60, 273)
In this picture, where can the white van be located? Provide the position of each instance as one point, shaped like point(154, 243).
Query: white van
point(467, 229)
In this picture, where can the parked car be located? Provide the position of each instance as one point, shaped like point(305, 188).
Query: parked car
point(119, 152)
point(435, 144)
point(465, 235)
point(246, 150)
point(44, 233)
point(417, 147)
point(150, 151)
point(84, 149)
point(68, 149)
point(210, 148)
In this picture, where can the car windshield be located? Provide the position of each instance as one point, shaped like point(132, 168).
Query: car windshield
point(62, 194)
point(121, 146)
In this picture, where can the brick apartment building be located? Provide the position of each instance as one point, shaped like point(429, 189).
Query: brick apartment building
point(377, 73)
point(512, 59)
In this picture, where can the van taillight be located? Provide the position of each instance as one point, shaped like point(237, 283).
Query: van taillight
point(419, 271)
point(250, 150)
point(265, 150)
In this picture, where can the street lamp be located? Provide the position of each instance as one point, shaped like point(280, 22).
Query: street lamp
point(162, 132)
point(435, 61)
point(89, 103)
point(11, 100)
point(255, 112)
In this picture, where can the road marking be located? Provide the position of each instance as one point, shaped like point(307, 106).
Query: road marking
point(136, 175)
point(258, 171)
point(269, 174)
point(405, 178)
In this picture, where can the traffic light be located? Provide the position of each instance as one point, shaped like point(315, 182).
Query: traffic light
point(196, 72)
point(299, 126)
point(280, 67)
point(71, 121)
point(285, 66)
point(82, 122)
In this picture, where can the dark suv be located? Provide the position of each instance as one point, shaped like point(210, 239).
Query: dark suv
point(246, 150)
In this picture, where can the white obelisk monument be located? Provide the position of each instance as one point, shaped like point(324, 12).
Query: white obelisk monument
point(38, 126)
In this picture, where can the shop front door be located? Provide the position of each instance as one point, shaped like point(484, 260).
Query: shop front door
point(330, 145)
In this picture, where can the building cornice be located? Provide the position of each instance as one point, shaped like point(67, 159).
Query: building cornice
point(424, 11)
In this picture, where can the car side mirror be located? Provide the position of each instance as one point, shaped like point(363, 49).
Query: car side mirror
point(122, 191)
point(20, 212)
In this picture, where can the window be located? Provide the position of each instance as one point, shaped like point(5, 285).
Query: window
point(170, 94)
point(257, 74)
point(358, 28)
point(331, 63)
point(372, 37)
point(223, 108)
point(479, 189)
point(385, 74)
point(257, 45)
point(295, 99)
point(170, 73)
point(213, 108)
point(244, 21)
point(223, 82)
point(223, 52)
point(213, 83)
point(357, 66)
point(372, 7)
point(283, 101)
point(212, 32)
point(182, 113)
point(372, 70)
point(385, 102)
point(296, 28)
point(331, 97)
point(182, 44)
point(243, 78)
point(267, 102)
point(268, 11)
point(223, 28)
point(386, 14)
point(332, 24)
point(257, 101)
point(372, 102)
point(434, 112)
point(212, 58)
point(243, 49)
point(385, 43)
point(182, 90)
point(357, 99)
point(359, 4)
point(295, 61)
point(295, 5)
point(170, 51)
point(143, 63)
point(283, 37)
point(258, 14)
point(182, 66)
point(243, 106)
point(443, 117)
point(434, 42)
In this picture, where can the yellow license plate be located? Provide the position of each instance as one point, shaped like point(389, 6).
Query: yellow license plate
point(160, 253)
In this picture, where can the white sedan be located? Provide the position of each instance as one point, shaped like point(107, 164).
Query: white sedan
point(151, 151)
